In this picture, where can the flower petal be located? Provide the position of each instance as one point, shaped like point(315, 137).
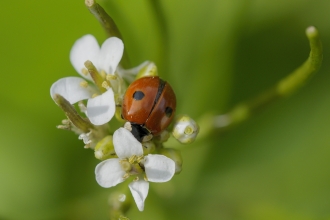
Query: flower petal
point(111, 52)
point(85, 48)
point(109, 173)
point(126, 144)
point(139, 190)
point(71, 89)
point(159, 168)
point(101, 108)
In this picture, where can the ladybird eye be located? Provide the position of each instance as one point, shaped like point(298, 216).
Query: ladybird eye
point(168, 111)
point(138, 95)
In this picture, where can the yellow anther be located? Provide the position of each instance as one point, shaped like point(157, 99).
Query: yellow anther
point(94, 95)
point(132, 159)
point(103, 74)
point(136, 179)
point(64, 127)
point(84, 84)
point(84, 71)
point(140, 158)
point(126, 175)
point(105, 85)
point(111, 77)
point(65, 121)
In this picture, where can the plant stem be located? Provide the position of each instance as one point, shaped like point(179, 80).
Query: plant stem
point(283, 88)
point(108, 25)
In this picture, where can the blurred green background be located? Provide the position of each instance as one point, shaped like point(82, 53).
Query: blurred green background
point(215, 54)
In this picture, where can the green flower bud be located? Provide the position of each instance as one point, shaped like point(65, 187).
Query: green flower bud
point(150, 69)
point(82, 124)
point(118, 114)
point(162, 137)
point(104, 149)
point(148, 147)
point(175, 155)
point(185, 129)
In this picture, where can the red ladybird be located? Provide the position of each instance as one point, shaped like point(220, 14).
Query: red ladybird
point(149, 105)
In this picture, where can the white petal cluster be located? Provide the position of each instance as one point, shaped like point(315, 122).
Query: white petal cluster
point(158, 168)
point(100, 109)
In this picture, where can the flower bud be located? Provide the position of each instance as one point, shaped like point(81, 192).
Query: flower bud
point(80, 123)
point(148, 147)
point(149, 69)
point(104, 149)
point(175, 155)
point(118, 114)
point(185, 129)
point(162, 137)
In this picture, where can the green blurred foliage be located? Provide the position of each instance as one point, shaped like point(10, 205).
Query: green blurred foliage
point(215, 54)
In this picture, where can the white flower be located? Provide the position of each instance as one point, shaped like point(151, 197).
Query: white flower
point(131, 161)
point(101, 108)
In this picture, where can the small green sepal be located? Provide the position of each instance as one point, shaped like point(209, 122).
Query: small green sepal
point(104, 149)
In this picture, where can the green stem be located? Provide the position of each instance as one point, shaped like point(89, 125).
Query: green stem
point(105, 20)
point(304, 72)
point(120, 201)
point(107, 23)
point(283, 88)
point(163, 29)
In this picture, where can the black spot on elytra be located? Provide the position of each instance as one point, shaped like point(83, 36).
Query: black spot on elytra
point(168, 111)
point(138, 95)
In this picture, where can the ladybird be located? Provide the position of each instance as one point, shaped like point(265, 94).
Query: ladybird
point(149, 105)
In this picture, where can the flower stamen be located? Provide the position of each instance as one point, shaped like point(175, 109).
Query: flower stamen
point(85, 138)
point(140, 159)
point(105, 85)
point(132, 159)
point(84, 84)
point(111, 77)
point(126, 175)
point(64, 127)
point(103, 74)
point(84, 71)
point(66, 122)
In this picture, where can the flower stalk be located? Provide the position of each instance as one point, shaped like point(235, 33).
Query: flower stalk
point(283, 88)
point(105, 20)
point(107, 23)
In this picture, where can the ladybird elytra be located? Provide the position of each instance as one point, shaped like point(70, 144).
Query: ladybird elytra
point(138, 110)
point(150, 103)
